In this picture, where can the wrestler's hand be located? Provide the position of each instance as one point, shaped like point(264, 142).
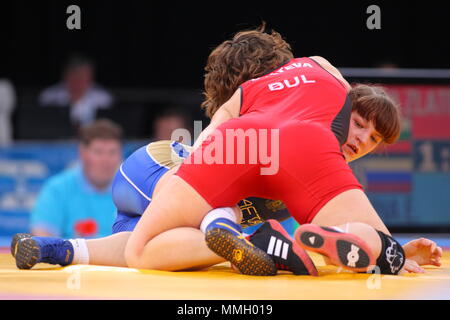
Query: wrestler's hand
point(423, 251)
point(411, 266)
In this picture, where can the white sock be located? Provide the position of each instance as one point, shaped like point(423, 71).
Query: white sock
point(80, 251)
point(339, 229)
point(225, 212)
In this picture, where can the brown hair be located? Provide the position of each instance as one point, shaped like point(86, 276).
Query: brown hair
point(249, 54)
point(374, 104)
point(100, 129)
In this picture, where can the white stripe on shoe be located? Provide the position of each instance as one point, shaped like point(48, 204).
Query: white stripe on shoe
point(278, 248)
point(271, 245)
point(285, 250)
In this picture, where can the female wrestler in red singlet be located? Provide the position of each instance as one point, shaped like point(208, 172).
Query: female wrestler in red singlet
point(304, 110)
point(305, 113)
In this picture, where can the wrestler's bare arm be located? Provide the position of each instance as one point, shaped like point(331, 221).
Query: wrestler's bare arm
point(349, 206)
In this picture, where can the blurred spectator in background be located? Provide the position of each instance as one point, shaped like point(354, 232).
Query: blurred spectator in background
point(78, 91)
point(386, 64)
point(7, 104)
point(168, 121)
point(78, 202)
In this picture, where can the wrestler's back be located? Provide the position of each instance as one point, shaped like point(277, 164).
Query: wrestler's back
point(301, 89)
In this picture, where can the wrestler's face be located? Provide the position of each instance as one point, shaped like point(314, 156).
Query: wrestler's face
point(362, 138)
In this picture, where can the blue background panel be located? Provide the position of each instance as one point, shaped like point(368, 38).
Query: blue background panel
point(430, 199)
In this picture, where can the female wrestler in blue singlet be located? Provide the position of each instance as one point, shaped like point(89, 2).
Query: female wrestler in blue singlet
point(134, 186)
point(132, 190)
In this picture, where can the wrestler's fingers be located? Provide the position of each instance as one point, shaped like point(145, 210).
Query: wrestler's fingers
point(439, 252)
point(436, 264)
point(412, 267)
point(433, 247)
point(425, 242)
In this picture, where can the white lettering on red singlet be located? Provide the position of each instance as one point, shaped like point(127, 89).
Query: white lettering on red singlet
point(291, 66)
point(289, 83)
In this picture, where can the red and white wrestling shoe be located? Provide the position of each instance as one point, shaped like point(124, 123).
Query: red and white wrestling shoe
point(343, 249)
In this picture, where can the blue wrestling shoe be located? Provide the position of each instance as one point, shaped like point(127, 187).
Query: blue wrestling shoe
point(225, 238)
point(17, 237)
point(29, 250)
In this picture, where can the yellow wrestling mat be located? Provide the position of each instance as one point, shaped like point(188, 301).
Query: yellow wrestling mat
point(218, 282)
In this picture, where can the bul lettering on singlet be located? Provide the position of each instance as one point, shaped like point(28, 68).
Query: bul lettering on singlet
point(290, 83)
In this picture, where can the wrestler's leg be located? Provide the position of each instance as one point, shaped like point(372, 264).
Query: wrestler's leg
point(352, 212)
point(170, 242)
point(345, 209)
point(181, 248)
point(355, 246)
point(349, 206)
point(177, 205)
point(108, 251)
point(365, 233)
point(167, 236)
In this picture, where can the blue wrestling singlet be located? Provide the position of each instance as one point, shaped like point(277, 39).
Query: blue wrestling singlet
point(134, 183)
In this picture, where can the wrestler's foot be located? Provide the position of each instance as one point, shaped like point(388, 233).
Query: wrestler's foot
point(343, 249)
point(225, 239)
point(32, 250)
point(285, 252)
point(17, 237)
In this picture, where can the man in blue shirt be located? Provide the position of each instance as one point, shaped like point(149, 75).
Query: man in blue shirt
point(78, 202)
